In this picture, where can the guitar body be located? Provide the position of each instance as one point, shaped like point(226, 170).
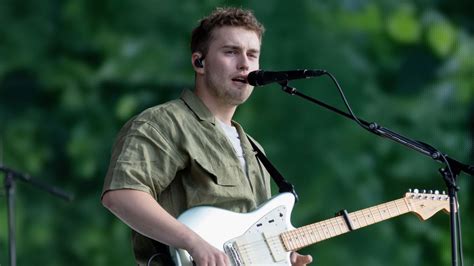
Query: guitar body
point(247, 238)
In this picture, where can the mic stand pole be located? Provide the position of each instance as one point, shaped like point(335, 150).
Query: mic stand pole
point(9, 182)
point(449, 172)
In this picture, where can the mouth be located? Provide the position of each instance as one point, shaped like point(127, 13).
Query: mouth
point(240, 79)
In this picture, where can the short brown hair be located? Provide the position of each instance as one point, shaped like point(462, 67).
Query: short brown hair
point(223, 16)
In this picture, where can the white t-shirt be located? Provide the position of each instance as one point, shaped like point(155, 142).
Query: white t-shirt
point(233, 136)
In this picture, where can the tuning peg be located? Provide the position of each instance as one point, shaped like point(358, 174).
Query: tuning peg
point(444, 192)
point(424, 191)
point(409, 190)
point(431, 191)
point(416, 190)
point(436, 192)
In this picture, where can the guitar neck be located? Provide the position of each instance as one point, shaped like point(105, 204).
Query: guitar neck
point(317, 232)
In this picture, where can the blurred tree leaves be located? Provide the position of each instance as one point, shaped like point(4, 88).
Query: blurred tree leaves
point(403, 26)
point(72, 73)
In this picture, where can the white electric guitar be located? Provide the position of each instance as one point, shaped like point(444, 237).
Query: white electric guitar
point(266, 236)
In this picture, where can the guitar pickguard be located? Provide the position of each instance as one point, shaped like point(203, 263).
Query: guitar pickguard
point(261, 243)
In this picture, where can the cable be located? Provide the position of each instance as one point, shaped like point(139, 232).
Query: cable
point(163, 259)
point(346, 103)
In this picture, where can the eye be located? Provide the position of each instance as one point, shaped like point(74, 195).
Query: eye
point(253, 55)
point(231, 52)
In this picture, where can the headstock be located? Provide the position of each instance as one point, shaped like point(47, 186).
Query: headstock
point(425, 204)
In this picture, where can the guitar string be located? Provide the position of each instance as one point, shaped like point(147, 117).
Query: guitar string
point(391, 209)
point(325, 229)
point(302, 239)
point(326, 226)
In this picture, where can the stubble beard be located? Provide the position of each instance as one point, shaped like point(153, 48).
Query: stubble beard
point(227, 95)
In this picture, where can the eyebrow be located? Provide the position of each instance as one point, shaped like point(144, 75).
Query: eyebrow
point(236, 47)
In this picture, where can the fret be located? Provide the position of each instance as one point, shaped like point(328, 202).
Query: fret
point(398, 209)
point(357, 219)
point(308, 235)
point(321, 231)
point(331, 226)
point(368, 216)
point(387, 210)
point(285, 240)
point(304, 239)
point(405, 208)
point(288, 241)
point(326, 233)
point(318, 233)
point(377, 214)
point(390, 210)
point(361, 215)
point(342, 225)
point(297, 239)
point(380, 211)
point(314, 237)
point(372, 215)
point(304, 235)
point(394, 209)
point(384, 211)
point(293, 239)
point(354, 219)
point(340, 222)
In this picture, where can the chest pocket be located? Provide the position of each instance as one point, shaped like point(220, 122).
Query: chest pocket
point(223, 175)
point(223, 186)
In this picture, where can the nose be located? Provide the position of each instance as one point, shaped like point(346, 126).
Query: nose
point(243, 63)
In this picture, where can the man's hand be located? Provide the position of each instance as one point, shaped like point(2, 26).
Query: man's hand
point(205, 254)
point(300, 260)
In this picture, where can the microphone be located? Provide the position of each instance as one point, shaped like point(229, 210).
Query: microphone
point(262, 77)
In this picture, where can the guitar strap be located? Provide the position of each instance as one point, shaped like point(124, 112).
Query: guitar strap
point(283, 185)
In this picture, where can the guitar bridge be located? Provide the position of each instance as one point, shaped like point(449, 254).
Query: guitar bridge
point(232, 252)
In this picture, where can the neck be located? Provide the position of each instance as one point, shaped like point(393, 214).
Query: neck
point(221, 110)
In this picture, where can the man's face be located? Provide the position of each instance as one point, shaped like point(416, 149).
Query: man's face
point(233, 53)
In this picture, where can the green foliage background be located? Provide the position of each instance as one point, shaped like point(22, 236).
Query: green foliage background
point(72, 72)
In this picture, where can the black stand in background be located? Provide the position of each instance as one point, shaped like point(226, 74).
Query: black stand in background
point(449, 172)
point(10, 177)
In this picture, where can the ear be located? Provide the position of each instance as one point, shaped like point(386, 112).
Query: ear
point(197, 56)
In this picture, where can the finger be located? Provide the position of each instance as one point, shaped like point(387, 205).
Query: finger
point(222, 260)
point(293, 256)
point(306, 259)
point(227, 261)
point(297, 259)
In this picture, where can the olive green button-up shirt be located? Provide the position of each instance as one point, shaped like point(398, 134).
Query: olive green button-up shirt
point(179, 154)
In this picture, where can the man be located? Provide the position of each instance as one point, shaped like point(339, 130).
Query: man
point(189, 152)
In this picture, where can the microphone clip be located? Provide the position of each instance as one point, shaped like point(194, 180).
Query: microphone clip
point(286, 88)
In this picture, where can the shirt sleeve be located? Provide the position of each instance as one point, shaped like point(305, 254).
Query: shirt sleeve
point(142, 159)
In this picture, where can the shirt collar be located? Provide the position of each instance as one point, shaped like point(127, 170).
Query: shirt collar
point(197, 106)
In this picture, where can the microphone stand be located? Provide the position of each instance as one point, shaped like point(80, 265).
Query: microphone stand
point(9, 181)
point(449, 172)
